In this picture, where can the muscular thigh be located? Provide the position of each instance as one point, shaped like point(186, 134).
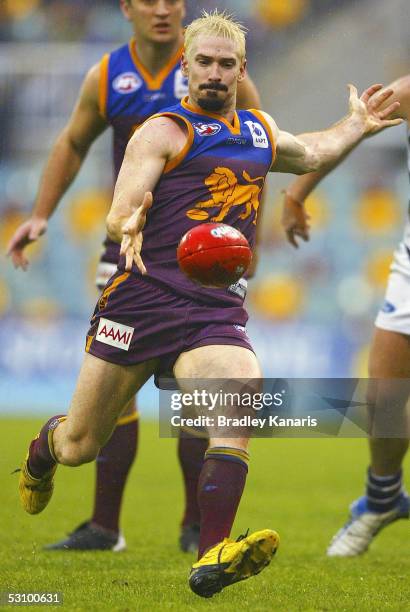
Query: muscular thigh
point(388, 390)
point(221, 368)
point(102, 391)
point(218, 361)
point(389, 355)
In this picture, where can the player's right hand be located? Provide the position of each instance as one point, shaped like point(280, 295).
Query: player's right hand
point(132, 235)
point(373, 108)
point(294, 220)
point(25, 234)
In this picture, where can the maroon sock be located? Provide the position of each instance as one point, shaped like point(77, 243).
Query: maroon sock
point(220, 490)
point(191, 451)
point(113, 464)
point(40, 458)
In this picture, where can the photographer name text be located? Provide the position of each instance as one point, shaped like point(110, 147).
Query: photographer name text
point(245, 421)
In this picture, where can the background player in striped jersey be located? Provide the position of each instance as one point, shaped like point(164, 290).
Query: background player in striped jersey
point(198, 331)
point(385, 499)
point(122, 91)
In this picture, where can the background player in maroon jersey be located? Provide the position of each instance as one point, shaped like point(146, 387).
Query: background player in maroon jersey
point(385, 500)
point(166, 156)
point(155, 50)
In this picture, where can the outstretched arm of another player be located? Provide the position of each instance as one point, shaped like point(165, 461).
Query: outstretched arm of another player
point(157, 142)
point(294, 216)
point(322, 150)
point(65, 160)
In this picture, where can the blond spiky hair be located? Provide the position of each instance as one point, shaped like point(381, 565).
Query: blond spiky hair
point(216, 24)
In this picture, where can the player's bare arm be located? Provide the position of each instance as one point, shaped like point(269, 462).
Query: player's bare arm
point(294, 216)
point(63, 164)
point(158, 141)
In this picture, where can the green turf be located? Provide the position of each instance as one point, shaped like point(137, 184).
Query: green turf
point(301, 488)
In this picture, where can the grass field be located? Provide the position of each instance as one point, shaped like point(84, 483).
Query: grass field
point(301, 488)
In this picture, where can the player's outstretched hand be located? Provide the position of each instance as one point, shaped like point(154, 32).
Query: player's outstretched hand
point(295, 220)
point(132, 235)
point(25, 234)
point(373, 109)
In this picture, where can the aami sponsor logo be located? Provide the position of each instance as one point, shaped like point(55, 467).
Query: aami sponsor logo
point(127, 82)
point(258, 134)
point(207, 129)
point(114, 334)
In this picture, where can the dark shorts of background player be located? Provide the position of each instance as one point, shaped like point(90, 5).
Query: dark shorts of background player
point(165, 324)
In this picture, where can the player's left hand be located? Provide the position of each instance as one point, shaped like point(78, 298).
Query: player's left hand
point(132, 238)
point(371, 108)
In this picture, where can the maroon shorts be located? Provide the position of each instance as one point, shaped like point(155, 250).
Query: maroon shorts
point(137, 319)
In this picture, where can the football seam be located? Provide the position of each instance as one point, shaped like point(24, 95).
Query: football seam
point(242, 246)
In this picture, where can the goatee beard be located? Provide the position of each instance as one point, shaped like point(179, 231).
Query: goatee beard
point(211, 104)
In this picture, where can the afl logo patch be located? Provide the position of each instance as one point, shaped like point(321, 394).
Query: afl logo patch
point(126, 83)
point(207, 129)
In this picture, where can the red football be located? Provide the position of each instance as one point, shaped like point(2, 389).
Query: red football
point(214, 254)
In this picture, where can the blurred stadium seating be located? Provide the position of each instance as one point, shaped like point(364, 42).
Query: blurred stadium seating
point(100, 20)
point(312, 310)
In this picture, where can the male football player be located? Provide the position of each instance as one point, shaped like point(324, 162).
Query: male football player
point(385, 499)
point(160, 318)
point(122, 91)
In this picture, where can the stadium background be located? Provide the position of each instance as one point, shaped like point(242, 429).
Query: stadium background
point(311, 310)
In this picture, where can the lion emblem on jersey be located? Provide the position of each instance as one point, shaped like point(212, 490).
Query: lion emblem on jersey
point(227, 192)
